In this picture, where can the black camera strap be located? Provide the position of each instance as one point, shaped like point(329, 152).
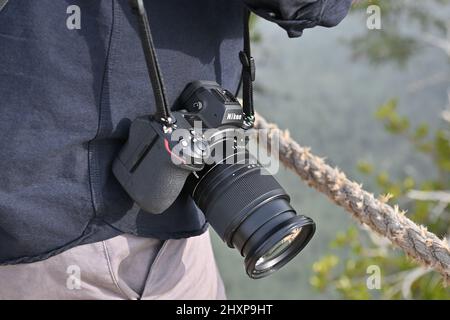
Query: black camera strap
point(162, 113)
point(248, 73)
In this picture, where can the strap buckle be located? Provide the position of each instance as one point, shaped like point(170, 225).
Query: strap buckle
point(248, 63)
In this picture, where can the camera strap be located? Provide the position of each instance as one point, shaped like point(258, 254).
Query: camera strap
point(248, 74)
point(162, 113)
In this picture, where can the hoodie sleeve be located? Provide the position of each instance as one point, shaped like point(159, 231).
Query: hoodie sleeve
point(296, 15)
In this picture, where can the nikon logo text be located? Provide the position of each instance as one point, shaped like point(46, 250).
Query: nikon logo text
point(234, 116)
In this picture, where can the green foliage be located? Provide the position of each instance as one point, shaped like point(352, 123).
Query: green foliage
point(401, 278)
point(362, 250)
point(365, 167)
point(393, 122)
point(323, 269)
point(442, 151)
point(437, 146)
point(381, 46)
point(394, 43)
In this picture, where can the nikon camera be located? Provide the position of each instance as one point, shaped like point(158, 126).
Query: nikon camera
point(244, 204)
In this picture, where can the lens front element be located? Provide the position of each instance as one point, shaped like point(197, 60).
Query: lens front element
point(268, 259)
point(277, 248)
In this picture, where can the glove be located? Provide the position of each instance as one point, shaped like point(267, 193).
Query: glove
point(296, 15)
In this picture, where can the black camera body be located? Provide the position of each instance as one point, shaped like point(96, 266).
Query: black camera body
point(148, 157)
point(244, 204)
point(209, 103)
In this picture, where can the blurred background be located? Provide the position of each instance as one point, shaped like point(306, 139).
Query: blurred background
point(375, 103)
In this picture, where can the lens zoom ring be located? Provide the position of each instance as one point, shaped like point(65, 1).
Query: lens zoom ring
point(235, 196)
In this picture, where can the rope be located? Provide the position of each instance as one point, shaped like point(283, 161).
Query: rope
point(388, 221)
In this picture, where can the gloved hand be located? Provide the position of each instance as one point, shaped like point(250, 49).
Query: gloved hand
point(296, 15)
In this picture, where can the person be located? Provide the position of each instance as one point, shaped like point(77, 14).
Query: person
point(72, 78)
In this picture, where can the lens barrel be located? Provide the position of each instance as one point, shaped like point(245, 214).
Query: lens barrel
point(250, 211)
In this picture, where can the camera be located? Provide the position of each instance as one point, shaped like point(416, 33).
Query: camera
point(244, 204)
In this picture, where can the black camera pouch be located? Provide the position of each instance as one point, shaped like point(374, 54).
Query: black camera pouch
point(145, 161)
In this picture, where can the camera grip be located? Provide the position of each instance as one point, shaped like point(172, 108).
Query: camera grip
point(145, 169)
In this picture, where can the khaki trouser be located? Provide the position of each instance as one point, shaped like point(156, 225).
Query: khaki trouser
point(124, 267)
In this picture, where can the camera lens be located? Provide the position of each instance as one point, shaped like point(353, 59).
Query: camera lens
point(250, 211)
